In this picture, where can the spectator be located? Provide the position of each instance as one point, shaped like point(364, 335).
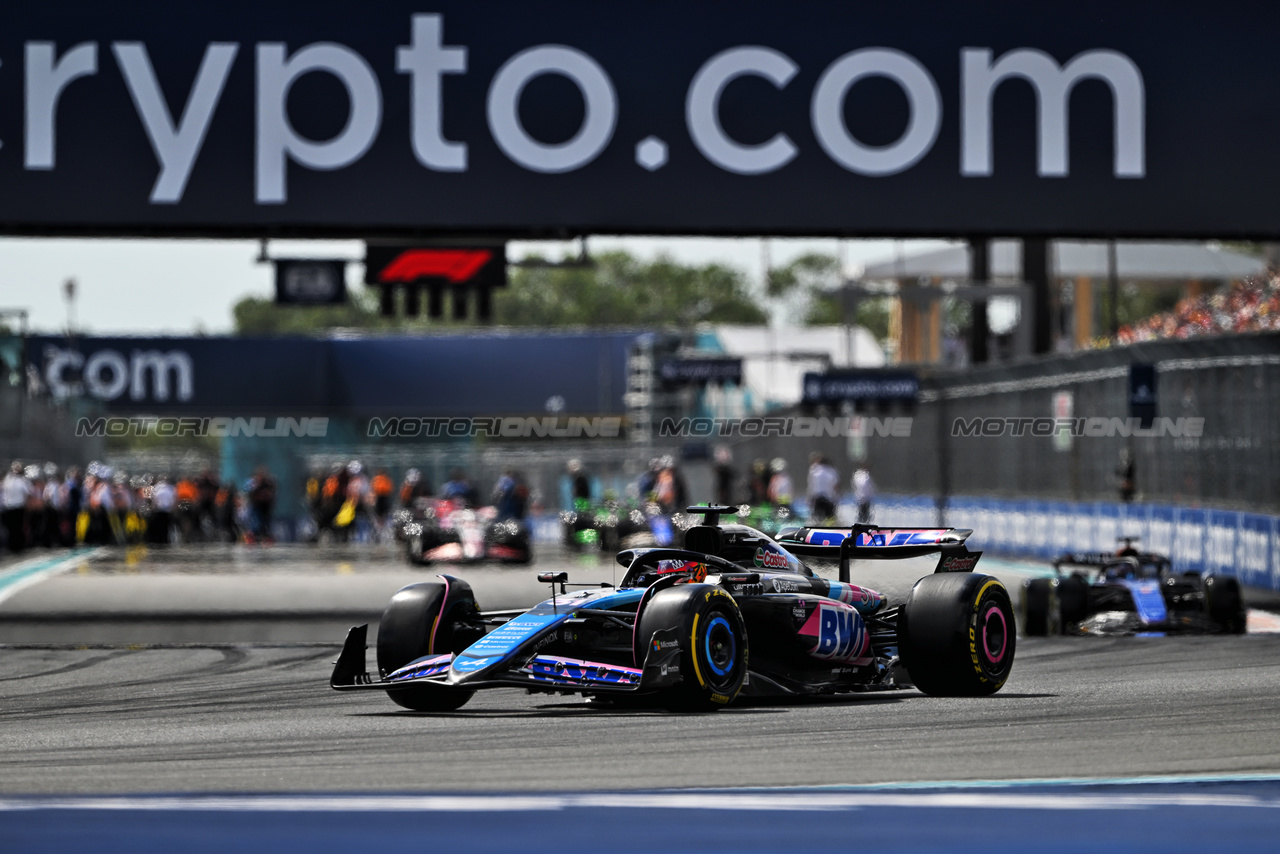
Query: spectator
point(73, 502)
point(649, 479)
point(187, 494)
point(579, 482)
point(14, 493)
point(36, 514)
point(414, 487)
point(1252, 305)
point(121, 507)
point(823, 488)
point(206, 499)
point(510, 495)
point(758, 482)
point(668, 489)
point(382, 489)
point(227, 510)
point(332, 496)
point(724, 476)
point(781, 490)
point(864, 492)
point(262, 502)
point(163, 499)
point(459, 489)
point(1125, 472)
point(359, 499)
point(54, 506)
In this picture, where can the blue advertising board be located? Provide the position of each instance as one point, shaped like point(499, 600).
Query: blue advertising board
point(1226, 542)
point(443, 375)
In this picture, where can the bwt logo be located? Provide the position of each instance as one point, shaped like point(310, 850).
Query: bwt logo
point(108, 374)
point(177, 135)
point(842, 636)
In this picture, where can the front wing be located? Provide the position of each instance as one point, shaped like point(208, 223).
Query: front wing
point(534, 672)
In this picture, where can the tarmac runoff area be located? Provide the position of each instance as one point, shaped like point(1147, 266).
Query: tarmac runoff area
point(154, 716)
point(221, 593)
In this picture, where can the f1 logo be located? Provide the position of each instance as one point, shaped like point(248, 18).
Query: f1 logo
point(454, 265)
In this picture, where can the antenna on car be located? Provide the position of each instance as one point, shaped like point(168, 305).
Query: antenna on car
point(554, 578)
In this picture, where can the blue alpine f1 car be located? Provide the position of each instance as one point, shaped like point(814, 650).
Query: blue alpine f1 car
point(1129, 592)
point(734, 613)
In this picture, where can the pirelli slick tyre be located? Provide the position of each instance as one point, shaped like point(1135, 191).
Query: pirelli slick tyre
point(1225, 604)
point(1074, 599)
point(713, 643)
point(427, 618)
point(956, 635)
point(1041, 615)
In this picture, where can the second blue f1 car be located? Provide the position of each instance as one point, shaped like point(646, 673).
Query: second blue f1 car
point(734, 613)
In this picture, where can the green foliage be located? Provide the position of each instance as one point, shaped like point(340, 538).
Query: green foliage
point(873, 313)
point(623, 291)
point(260, 316)
point(809, 273)
point(618, 291)
point(813, 282)
point(1135, 303)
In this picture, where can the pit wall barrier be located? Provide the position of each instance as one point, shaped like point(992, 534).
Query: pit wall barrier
point(1225, 542)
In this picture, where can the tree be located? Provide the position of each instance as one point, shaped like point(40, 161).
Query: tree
point(810, 287)
point(260, 316)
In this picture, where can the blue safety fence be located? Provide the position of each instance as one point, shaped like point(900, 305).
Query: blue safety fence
point(1227, 542)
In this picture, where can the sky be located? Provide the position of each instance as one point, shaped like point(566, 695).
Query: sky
point(185, 287)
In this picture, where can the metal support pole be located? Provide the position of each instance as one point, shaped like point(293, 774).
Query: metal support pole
point(1113, 291)
point(1035, 270)
point(979, 274)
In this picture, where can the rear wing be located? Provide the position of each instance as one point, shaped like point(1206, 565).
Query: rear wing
point(876, 543)
point(1094, 559)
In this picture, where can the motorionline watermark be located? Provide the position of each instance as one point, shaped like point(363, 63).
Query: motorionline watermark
point(798, 426)
point(218, 427)
point(1090, 428)
point(498, 427)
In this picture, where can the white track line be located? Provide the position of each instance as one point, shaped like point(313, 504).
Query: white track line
point(753, 800)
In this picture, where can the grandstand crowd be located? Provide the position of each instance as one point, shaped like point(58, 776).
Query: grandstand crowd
point(1252, 305)
point(41, 505)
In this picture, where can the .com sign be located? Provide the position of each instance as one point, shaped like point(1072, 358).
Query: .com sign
point(141, 375)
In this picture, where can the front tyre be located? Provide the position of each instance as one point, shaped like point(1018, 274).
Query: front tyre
point(1039, 614)
point(427, 618)
point(956, 635)
point(713, 643)
point(1075, 600)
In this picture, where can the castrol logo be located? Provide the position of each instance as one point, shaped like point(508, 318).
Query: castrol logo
point(770, 559)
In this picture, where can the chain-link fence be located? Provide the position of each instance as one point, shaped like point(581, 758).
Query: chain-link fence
point(1059, 427)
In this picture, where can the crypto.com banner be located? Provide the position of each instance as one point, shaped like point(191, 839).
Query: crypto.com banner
point(907, 118)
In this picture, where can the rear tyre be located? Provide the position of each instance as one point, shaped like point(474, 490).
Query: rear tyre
point(1225, 604)
point(956, 635)
point(427, 618)
point(1038, 613)
point(713, 644)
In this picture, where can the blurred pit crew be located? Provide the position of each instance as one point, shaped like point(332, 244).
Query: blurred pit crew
point(823, 488)
point(13, 506)
point(459, 489)
point(510, 496)
point(781, 490)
